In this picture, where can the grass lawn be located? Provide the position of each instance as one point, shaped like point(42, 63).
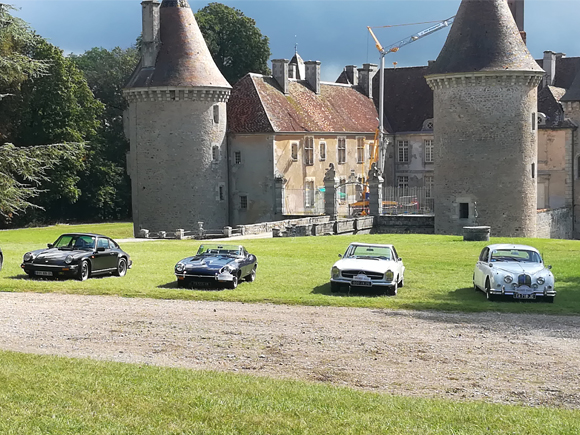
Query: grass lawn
point(296, 271)
point(50, 395)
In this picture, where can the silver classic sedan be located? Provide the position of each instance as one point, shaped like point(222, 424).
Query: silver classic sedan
point(515, 271)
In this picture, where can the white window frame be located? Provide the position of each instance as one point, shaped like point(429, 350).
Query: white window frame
point(429, 183)
point(294, 151)
point(309, 192)
point(428, 150)
point(309, 150)
point(403, 151)
point(403, 181)
point(341, 150)
point(322, 150)
point(360, 149)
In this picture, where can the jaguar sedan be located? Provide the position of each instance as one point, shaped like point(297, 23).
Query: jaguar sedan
point(514, 271)
point(77, 255)
point(216, 265)
point(366, 265)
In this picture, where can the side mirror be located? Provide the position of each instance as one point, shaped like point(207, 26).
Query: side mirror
point(101, 249)
point(550, 267)
point(399, 259)
point(339, 255)
point(490, 265)
point(49, 245)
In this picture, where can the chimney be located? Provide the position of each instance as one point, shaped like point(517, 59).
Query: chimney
point(312, 72)
point(549, 65)
point(150, 37)
point(365, 78)
point(352, 74)
point(280, 73)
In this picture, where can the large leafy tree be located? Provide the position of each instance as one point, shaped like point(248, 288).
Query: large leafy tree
point(236, 44)
point(105, 184)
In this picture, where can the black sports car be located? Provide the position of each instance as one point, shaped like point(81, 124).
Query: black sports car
point(78, 256)
point(216, 265)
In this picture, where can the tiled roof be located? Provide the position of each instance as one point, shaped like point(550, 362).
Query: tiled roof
point(183, 59)
point(257, 105)
point(484, 37)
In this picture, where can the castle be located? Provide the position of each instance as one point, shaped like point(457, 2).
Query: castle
point(474, 129)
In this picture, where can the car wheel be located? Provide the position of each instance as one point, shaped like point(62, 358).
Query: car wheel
point(252, 276)
point(84, 271)
point(234, 283)
point(488, 294)
point(1, 261)
point(121, 267)
point(549, 299)
point(402, 282)
point(334, 287)
point(392, 291)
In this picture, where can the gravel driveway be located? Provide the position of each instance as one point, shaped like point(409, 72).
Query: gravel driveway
point(506, 358)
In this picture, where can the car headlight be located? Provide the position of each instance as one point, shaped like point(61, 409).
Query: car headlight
point(389, 275)
point(335, 272)
point(68, 259)
point(179, 267)
point(508, 279)
point(226, 269)
point(29, 256)
point(541, 280)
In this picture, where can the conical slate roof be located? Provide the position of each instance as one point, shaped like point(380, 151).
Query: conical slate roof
point(484, 37)
point(183, 59)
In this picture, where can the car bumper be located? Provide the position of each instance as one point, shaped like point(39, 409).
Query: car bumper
point(215, 280)
point(523, 292)
point(373, 284)
point(49, 270)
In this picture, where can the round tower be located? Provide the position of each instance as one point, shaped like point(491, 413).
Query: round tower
point(176, 125)
point(485, 102)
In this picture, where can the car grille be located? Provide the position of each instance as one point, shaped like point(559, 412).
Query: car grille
point(525, 280)
point(352, 273)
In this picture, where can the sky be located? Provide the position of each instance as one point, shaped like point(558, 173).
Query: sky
point(331, 31)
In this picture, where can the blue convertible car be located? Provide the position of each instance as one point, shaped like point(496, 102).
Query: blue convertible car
point(216, 265)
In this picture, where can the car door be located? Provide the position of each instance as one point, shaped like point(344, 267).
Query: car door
point(103, 257)
point(482, 268)
point(398, 263)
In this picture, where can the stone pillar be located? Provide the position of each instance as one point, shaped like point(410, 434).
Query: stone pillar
point(279, 194)
point(375, 191)
point(330, 193)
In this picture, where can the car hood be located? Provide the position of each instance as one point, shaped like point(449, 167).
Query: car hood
point(518, 268)
point(55, 254)
point(207, 262)
point(379, 266)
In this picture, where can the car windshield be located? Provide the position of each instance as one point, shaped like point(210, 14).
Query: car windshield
point(215, 249)
point(375, 252)
point(518, 255)
point(76, 242)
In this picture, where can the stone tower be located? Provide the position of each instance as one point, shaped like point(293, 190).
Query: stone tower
point(176, 125)
point(485, 101)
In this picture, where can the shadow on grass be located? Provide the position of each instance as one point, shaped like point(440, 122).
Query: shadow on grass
point(324, 289)
point(173, 286)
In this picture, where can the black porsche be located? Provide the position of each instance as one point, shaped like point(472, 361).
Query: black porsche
point(216, 265)
point(77, 255)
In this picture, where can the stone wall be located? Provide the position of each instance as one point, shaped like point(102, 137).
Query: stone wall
point(555, 224)
point(405, 224)
point(267, 227)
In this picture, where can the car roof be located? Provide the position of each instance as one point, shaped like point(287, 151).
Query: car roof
point(510, 246)
point(378, 245)
point(84, 234)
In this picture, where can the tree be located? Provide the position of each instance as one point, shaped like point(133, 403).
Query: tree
point(105, 184)
point(236, 44)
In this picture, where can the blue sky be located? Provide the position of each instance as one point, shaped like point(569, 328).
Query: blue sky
point(332, 31)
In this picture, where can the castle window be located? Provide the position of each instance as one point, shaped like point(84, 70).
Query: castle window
point(463, 210)
point(243, 202)
point(342, 190)
point(216, 113)
point(360, 149)
point(403, 150)
point(322, 150)
point(309, 150)
point(294, 151)
point(428, 150)
point(403, 183)
point(534, 121)
point(221, 193)
point(341, 150)
point(309, 193)
point(429, 182)
point(578, 166)
point(533, 170)
point(215, 153)
point(238, 157)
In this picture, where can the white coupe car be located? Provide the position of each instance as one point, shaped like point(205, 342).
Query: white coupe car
point(516, 271)
point(366, 265)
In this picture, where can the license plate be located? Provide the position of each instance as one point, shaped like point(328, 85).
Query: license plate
point(524, 295)
point(201, 284)
point(361, 281)
point(42, 273)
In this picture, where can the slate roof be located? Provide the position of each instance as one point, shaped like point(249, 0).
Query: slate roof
point(567, 68)
point(549, 104)
point(484, 37)
point(257, 105)
point(183, 59)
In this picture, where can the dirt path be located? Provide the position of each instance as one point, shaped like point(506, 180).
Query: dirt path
point(508, 358)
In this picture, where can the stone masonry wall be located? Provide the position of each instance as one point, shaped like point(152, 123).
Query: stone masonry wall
point(555, 224)
point(176, 181)
point(485, 152)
